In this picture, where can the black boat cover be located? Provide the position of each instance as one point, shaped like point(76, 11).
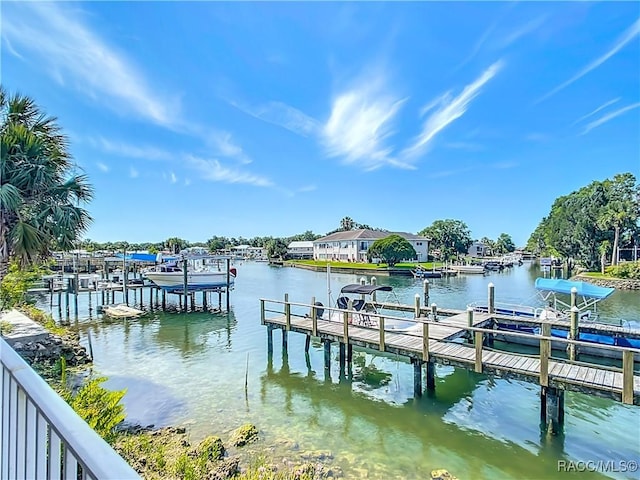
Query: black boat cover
point(365, 289)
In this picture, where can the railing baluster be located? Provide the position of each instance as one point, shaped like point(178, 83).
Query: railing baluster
point(4, 455)
point(21, 432)
point(54, 457)
point(32, 437)
point(41, 447)
point(13, 431)
point(70, 465)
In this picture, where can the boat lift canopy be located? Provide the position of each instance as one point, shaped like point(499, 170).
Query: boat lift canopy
point(365, 289)
point(591, 294)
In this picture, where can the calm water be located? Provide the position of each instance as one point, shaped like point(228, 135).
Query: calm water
point(190, 370)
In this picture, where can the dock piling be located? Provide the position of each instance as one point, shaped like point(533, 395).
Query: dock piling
point(416, 305)
point(425, 291)
point(434, 312)
point(573, 331)
point(491, 304)
point(417, 377)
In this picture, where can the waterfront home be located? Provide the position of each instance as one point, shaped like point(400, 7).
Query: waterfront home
point(302, 250)
point(479, 249)
point(352, 245)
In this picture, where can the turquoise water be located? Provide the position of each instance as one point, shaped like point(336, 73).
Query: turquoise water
point(190, 369)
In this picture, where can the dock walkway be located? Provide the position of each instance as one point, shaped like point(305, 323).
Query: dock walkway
point(448, 344)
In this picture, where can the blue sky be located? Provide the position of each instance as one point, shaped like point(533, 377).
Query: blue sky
point(249, 119)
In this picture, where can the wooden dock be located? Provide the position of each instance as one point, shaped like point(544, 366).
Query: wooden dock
point(463, 340)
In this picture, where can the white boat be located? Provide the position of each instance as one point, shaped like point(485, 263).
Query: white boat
point(171, 278)
point(474, 269)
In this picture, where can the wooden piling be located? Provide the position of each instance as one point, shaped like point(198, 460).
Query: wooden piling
point(270, 340)
point(314, 317)
point(285, 340)
point(417, 377)
point(185, 284)
point(262, 311)
point(434, 312)
point(327, 354)
point(307, 343)
point(204, 301)
point(374, 281)
point(287, 312)
point(381, 328)
point(478, 358)
point(425, 341)
point(627, 377)
point(416, 306)
point(345, 327)
point(573, 331)
point(431, 375)
point(491, 303)
point(164, 300)
point(545, 351)
point(228, 283)
point(425, 292)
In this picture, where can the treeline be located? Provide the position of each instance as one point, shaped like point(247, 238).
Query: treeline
point(591, 225)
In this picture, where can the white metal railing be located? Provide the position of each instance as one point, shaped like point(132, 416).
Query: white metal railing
point(41, 437)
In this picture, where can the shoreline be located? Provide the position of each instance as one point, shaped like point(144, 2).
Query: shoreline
point(617, 283)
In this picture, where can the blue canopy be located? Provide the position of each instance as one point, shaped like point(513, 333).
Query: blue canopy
point(139, 257)
point(565, 286)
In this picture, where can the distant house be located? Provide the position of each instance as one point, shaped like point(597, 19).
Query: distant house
point(247, 251)
point(301, 250)
point(352, 245)
point(479, 249)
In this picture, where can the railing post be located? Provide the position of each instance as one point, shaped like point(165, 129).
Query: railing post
point(287, 312)
point(545, 347)
point(627, 377)
point(434, 312)
point(381, 326)
point(262, 319)
point(416, 306)
point(478, 342)
point(425, 341)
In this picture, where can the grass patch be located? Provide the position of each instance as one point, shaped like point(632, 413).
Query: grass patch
point(5, 327)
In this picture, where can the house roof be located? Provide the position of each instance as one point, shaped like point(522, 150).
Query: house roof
point(301, 244)
point(365, 234)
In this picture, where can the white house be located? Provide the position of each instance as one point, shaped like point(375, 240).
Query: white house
point(300, 250)
point(352, 245)
point(479, 249)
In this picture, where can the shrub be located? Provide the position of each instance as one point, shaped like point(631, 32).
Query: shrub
point(630, 270)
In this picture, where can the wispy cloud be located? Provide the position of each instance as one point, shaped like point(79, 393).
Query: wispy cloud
point(307, 188)
point(222, 144)
point(133, 173)
point(283, 115)
point(527, 28)
point(173, 178)
point(213, 170)
point(447, 112)
point(628, 35)
point(74, 55)
point(361, 120)
point(608, 117)
point(123, 149)
point(104, 168)
point(601, 107)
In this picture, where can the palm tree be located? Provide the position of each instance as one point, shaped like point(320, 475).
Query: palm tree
point(347, 224)
point(40, 194)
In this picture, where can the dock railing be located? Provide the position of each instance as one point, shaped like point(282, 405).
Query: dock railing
point(476, 335)
point(41, 437)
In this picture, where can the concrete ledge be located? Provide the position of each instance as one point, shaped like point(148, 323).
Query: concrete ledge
point(23, 329)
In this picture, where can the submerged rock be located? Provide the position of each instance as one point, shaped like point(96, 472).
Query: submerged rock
point(442, 474)
point(247, 433)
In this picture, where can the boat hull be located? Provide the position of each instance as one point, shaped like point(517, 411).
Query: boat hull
point(174, 281)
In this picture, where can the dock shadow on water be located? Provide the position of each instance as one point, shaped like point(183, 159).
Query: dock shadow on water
point(148, 403)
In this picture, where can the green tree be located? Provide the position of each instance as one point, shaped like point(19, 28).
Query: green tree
point(216, 243)
point(504, 244)
point(40, 195)
point(347, 223)
point(391, 250)
point(450, 237)
point(490, 244)
point(277, 248)
point(581, 221)
point(175, 244)
point(622, 210)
